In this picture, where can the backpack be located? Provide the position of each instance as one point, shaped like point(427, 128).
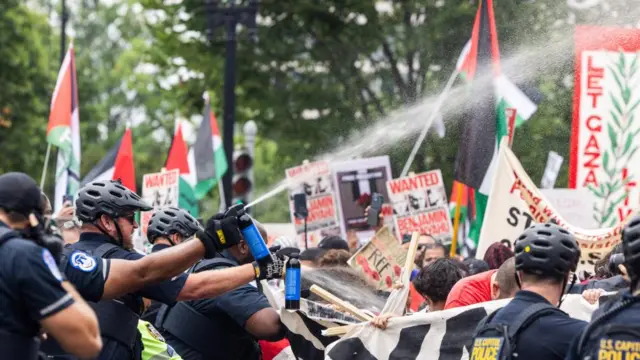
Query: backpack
point(498, 341)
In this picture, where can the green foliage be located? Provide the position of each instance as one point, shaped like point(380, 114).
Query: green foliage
point(27, 82)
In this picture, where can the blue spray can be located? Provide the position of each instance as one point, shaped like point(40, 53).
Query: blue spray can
point(292, 283)
point(252, 236)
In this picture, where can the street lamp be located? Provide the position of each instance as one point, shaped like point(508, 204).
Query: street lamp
point(230, 13)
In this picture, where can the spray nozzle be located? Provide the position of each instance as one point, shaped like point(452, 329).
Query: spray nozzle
point(236, 210)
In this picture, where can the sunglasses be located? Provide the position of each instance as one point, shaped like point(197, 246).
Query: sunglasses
point(129, 217)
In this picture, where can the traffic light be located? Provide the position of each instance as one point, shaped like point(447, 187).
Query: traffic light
point(242, 182)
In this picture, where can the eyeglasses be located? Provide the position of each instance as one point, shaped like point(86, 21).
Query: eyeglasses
point(129, 217)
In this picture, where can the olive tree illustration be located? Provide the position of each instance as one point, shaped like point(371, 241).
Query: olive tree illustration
point(621, 132)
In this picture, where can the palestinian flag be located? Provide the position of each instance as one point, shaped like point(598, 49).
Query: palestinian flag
point(467, 211)
point(178, 159)
point(207, 158)
point(487, 120)
point(64, 130)
point(117, 164)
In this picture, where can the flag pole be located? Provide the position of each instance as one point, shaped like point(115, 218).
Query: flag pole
point(44, 167)
point(223, 205)
point(427, 124)
point(456, 220)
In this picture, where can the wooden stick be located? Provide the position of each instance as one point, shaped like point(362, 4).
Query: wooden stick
point(338, 330)
point(411, 253)
point(327, 296)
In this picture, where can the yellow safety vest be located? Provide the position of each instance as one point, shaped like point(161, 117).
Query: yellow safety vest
point(155, 348)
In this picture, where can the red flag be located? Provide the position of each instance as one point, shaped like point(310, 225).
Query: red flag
point(124, 168)
point(178, 152)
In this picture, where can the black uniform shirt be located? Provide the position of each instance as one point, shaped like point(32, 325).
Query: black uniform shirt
point(30, 286)
point(619, 344)
point(548, 337)
point(229, 312)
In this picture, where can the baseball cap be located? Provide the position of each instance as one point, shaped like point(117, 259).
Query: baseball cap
point(333, 242)
point(19, 193)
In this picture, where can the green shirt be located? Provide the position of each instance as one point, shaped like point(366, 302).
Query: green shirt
point(155, 348)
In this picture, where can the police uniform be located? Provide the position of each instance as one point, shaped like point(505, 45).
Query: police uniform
point(614, 336)
point(119, 318)
point(214, 328)
point(30, 291)
point(529, 327)
point(547, 337)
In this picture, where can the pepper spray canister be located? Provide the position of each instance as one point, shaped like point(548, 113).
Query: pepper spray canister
point(292, 283)
point(252, 236)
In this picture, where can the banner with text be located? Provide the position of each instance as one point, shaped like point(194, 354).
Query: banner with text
point(159, 190)
point(381, 259)
point(314, 180)
point(516, 203)
point(606, 120)
point(355, 181)
point(420, 204)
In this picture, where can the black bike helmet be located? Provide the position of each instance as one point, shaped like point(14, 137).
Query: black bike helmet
point(546, 250)
point(169, 220)
point(109, 198)
point(631, 246)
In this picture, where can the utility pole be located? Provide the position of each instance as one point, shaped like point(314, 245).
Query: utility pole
point(230, 13)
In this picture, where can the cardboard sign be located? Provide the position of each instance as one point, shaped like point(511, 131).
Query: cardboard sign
point(159, 190)
point(420, 204)
point(314, 180)
point(516, 203)
point(604, 142)
point(355, 181)
point(381, 259)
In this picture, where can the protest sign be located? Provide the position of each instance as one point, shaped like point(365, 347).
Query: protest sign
point(381, 259)
point(604, 139)
point(439, 335)
point(159, 190)
point(355, 181)
point(420, 204)
point(314, 180)
point(515, 203)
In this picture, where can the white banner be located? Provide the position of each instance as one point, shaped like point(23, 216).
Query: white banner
point(441, 335)
point(575, 205)
point(516, 203)
point(420, 204)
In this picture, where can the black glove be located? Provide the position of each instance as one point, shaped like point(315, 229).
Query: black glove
point(219, 235)
point(269, 267)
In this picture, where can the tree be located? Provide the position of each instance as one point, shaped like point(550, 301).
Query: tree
point(26, 75)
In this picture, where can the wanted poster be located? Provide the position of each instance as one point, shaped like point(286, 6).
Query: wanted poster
point(159, 190)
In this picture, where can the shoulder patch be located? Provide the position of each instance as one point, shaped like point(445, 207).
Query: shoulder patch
point(154, 333)
point(51, 264)
point(82, 261)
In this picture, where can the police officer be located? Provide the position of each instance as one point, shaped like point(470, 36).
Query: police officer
point(106, 209)
point(614, 332)
point(227, 327)
point(33, 293)
point(168, 227)
point(530, 326)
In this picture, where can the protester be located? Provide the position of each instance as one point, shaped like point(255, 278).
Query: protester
point(613, 333)
point(33, 292)
point(310, 257)
point(333, 242)
point(530, 326)
point(106, 209)
point(610, 275)
point(227, 326)
point(435, 281)
point(485, 286)
point(433, 253)
point(496, 255)
point(334, 258)
point(475, 266)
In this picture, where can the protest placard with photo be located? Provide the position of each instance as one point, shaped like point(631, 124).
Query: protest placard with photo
point(355, 181)
point(381, 259)
point(159, 190)
point(420, 204)
point(313, 180)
